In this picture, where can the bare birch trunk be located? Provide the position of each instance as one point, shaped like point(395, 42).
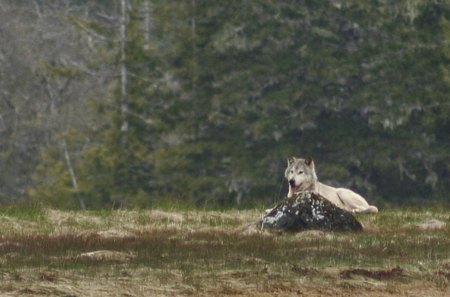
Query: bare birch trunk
point(147, 11)
point(72, 175)
point(123, 71)
point(194, 47)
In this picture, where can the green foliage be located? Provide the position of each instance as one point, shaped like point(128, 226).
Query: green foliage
point(24, 211)
point(220, 94)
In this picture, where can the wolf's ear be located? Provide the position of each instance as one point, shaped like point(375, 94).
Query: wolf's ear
point(290, 160)
point(309, 162)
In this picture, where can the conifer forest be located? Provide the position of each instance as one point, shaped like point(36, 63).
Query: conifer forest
point(143, 103)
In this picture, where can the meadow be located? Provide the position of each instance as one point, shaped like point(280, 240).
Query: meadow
point(47, 252)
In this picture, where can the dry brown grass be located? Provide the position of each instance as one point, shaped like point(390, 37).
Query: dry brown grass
point(195, 253)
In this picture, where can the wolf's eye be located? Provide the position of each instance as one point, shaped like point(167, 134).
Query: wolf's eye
point(300, 172)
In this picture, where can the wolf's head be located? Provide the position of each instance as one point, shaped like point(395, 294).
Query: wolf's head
point(301, 175)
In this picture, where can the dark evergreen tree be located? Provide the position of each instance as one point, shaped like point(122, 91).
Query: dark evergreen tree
point(218, 95)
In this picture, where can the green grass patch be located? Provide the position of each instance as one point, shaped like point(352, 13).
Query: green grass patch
point(23, 211)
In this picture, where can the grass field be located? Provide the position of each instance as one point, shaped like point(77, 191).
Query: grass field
point(46, 252)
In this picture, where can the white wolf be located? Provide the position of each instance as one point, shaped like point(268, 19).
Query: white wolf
point(301, 175)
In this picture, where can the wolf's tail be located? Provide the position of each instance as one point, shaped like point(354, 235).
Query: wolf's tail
point(371, 209)
point(368, 210)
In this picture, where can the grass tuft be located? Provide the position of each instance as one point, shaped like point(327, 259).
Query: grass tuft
point(23, 211)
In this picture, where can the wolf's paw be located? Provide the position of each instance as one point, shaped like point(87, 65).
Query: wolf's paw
point(267, 211)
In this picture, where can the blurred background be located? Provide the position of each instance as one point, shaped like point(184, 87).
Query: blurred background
point(146, 103)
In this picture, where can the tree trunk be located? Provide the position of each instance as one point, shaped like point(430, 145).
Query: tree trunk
point(194, 47)
point(72, 175)
point(147, 11)
point(123, 71)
